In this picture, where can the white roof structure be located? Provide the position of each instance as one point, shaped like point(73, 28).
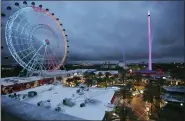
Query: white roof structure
point(27, 111)
point(91, 111)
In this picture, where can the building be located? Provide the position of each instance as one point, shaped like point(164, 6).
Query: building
point(174, 82)
point(98, 100)
point(109, 65)
point(173, 94)
point(113, 72)
point(38, 78)
point(150, 73)
point(12, 110)
point(123, 65)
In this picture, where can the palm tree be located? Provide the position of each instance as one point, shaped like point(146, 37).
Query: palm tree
point(68, 81)
point(122, 74)
point(107, 74)
point(86, 75)
point(138, 79)
point(92, 75)
point(115, 76)
point(76, 78)
point(88, 82)
point(130, 85)
point(100, 80)
point(100, 74)
point(123, 93)
point(123, 113)
point(89, 77)
point(105, 81)
point(111, 80)
point(152, 95)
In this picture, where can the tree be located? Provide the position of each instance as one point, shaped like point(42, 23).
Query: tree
point(105, 81)
point(178, 73)
point(123, 113)
point(115, 76)
point(138, 79)
point(123, 93)
point(68, 80)
point(89, 82)
point(122, 74)
point(89, 75)
point(152, 94)
point(92, 75)
point(130, 85)
point(100, 80)
point(107, 74)
point(112, 80)
point(100, 74)
point(86, 75)
point(76, 78)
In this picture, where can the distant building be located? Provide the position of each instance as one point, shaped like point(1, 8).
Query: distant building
point(123, 65)
point(109, 65)
point(103, 72)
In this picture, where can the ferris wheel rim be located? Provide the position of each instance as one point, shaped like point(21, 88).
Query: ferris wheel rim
point(12, 50)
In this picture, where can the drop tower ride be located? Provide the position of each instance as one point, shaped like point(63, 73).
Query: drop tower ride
point(149, 44)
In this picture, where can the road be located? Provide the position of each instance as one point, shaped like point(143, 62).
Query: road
point(138, 105)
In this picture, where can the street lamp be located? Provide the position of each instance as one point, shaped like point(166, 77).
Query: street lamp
point(181, 104)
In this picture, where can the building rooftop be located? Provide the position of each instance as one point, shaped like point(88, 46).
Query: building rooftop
point(92, 111)
point(174, 89)
point(173, 98)
point(26, 111)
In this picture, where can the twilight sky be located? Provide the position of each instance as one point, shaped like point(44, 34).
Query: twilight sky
point(103, 30)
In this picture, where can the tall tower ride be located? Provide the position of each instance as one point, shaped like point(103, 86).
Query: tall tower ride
point(149, 44)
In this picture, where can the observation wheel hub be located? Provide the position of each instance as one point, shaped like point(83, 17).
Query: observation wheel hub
point(46, 42)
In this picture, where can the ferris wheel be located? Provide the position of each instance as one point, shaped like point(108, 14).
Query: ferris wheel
point(35, 37)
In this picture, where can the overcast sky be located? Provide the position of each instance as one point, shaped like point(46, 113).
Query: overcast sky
point(103, 30)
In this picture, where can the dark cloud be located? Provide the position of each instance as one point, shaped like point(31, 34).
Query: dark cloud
point(102, 30)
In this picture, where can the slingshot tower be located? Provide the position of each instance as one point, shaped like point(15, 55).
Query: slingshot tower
point(149, 44)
